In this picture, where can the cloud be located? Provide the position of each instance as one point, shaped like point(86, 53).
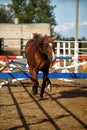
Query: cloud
point(68, 29)
point(64, 27)
point(84, 23)
point(68, 26)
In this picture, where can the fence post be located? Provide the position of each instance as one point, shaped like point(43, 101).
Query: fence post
point(76, 55)
point(64, 53)
point(1, 46)
point(21, 48)
point(69, 50)
point(58, 51)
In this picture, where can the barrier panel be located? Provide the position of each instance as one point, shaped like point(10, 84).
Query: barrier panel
point(53, 75)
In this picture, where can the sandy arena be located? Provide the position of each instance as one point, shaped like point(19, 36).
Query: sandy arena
point(64, 108)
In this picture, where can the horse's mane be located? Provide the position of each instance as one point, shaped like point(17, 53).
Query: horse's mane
point(36, 36)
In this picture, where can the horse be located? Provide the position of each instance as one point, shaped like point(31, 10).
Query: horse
point(40, 55)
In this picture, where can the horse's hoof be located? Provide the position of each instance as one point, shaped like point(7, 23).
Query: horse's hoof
point(49, 87)
point(41, 96)
point(35, 90)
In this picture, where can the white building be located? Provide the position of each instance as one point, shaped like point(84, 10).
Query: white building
point(12, 34)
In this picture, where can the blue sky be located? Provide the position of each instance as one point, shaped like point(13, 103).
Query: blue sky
point(65, 13)
point(65, 17)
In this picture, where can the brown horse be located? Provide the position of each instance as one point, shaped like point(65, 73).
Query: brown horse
point(40, 54)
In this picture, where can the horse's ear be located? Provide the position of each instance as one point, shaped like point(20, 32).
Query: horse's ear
point(36, 35)
point(51, 39)
point(45, 38)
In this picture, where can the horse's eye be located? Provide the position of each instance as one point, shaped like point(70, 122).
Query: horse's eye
point(47, 45)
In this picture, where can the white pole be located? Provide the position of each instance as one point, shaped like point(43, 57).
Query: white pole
point(69, 49)
point(76, 23)
point(58, 51)
point(76, 36)
point(64, 53)
point(58, 48)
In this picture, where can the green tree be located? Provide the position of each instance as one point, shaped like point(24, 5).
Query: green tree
point(5, 16)
point(34, 11)
point(17, 9)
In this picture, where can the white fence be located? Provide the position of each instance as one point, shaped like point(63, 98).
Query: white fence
point(71, 50)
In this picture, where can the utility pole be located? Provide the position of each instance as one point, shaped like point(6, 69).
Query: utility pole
point(76, 36)
point(76, 22)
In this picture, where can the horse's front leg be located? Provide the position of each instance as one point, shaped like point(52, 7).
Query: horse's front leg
point(34, 80)
point(43, 84)
point(48, 83)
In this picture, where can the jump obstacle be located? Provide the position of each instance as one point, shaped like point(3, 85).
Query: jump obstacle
point(19, 70)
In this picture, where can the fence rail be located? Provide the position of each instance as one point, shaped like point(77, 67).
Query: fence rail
point(61, 47)
point(65, 51)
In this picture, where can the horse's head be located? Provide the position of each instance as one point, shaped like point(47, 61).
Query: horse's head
point(47, 46)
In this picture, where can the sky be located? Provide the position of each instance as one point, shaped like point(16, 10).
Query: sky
point(65, 15)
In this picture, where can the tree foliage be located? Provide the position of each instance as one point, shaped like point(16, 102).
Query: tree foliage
point(17, 8)
point(5, 16)
point(34, 11)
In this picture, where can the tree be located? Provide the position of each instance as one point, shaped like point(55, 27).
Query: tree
point(5, 16)
point(17, 9)
point(34, 11)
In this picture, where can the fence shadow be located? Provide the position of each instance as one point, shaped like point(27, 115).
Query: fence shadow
point(73, 93)
point(49, 118)
point(64, 94)
point(22, 118)
point(67, 110)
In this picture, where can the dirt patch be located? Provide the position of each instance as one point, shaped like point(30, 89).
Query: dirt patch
point(65, 107)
